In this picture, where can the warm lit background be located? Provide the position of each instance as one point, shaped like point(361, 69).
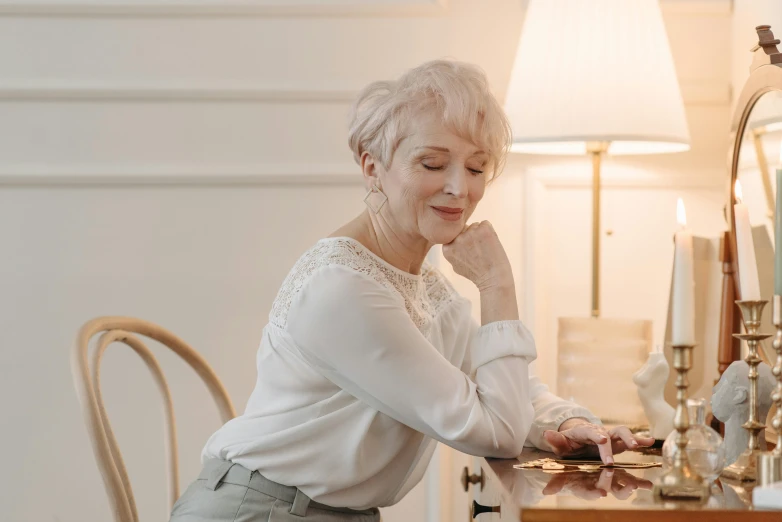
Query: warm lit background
point(171, 162)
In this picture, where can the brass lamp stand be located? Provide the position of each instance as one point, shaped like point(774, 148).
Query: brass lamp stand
point(596, 149)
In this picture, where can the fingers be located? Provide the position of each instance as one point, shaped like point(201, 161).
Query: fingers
point(644, 441)
point(460, 237)
point(606, 453)
point(556, 484)
point(623, 433)
point(599, 436)
point(623, 491)
point(618, 446)
point(643, 483)
point(559, 443)
point(623, 484)
point(592, 433)
point(624, 439)
point(588, 493)
point(605, 480)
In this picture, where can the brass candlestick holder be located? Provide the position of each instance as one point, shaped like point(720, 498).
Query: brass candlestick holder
point(770, 463)
point(681, 482)
point(745, 468)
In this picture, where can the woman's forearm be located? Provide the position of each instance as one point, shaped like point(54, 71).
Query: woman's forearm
point(498, 303)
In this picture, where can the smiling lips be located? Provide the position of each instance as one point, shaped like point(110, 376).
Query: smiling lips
point(449, 213)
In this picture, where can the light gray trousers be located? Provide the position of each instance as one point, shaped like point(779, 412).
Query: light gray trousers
point(228, 492)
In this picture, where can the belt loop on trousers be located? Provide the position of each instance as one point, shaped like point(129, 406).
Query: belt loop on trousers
point(300, 504)
point(216, 475)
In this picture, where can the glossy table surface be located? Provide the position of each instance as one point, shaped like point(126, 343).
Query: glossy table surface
point(606, 495)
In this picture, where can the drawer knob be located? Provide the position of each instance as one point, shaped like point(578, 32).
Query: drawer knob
point(478, 509)
point(468, 479)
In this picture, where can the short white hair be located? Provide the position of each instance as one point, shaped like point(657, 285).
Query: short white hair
point(458, 90)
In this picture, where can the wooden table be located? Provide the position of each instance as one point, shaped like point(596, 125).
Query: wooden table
point(509, 494)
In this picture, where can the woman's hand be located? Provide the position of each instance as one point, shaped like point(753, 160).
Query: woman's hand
point(478, 255)
point(578, 437)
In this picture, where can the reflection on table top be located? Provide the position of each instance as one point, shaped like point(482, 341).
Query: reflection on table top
point(537, 493)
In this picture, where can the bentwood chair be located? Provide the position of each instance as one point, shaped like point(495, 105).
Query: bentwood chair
point(86, 377)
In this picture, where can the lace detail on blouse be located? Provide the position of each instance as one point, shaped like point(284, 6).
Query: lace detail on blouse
point(424, 296)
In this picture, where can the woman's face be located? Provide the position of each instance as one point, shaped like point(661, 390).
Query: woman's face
point(434, 182)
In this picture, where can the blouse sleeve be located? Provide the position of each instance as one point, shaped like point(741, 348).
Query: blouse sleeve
point(360, 336)
point(549, 410)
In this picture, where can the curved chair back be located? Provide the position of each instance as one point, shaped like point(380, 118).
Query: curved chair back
point(86, 377)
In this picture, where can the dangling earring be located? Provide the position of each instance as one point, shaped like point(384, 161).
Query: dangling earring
point(375, 199)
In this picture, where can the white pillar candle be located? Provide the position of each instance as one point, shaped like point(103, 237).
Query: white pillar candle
point(683, 309)
point(748, 268)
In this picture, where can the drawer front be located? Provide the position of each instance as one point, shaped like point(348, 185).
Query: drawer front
point(487, 501)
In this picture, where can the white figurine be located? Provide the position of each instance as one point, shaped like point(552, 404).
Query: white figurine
point(730, 404)
point(650, 380)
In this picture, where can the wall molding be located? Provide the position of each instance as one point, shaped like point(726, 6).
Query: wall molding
point(620, 177)
point(179, 175)
point(172, 175)
point(694, 93)
point(195, 8)
point(277, 8)
point(171, 93)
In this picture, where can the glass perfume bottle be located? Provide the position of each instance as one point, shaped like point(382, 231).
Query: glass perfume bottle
point(705, 448)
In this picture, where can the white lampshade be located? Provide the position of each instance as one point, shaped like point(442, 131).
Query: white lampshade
point(595, 71)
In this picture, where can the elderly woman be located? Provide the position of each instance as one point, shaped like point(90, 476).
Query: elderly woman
point(370, 356)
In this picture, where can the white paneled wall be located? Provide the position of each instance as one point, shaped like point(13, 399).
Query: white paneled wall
point(171, 159)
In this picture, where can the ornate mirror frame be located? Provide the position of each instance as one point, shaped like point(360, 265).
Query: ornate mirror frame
point(765, 76)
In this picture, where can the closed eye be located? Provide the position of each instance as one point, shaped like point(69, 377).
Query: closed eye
point(474, 171)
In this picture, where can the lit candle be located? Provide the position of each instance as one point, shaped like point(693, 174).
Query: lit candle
point(778, 235)
point(683, 315)
point(748, 268)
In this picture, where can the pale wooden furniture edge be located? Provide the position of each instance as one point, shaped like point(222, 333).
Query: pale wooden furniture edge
point(87, 383)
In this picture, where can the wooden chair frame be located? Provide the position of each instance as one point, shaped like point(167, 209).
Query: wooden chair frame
point(86, 377)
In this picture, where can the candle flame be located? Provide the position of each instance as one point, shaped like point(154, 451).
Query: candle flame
point(681, 214)
point(737, 192)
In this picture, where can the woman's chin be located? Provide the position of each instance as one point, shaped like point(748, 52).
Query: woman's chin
point(442, 237)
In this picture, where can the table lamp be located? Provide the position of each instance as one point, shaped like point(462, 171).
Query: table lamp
point(595, 77)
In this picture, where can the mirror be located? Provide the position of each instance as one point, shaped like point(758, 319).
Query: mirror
point(756, 155)
point(759, 156)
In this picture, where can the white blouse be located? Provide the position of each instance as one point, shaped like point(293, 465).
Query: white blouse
point(363, 366)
